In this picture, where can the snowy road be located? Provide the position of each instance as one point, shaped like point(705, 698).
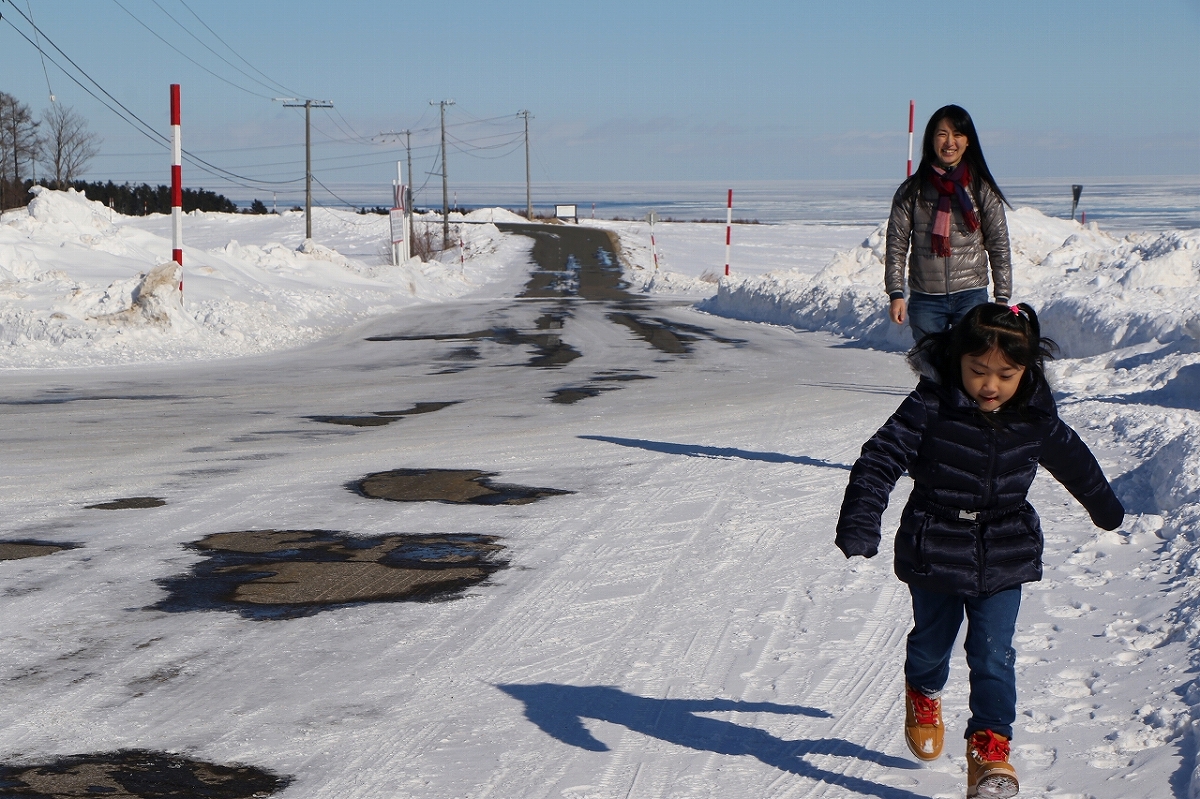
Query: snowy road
point(680, 624)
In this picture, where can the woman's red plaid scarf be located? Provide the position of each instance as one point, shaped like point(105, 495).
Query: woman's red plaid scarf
point(947, 183)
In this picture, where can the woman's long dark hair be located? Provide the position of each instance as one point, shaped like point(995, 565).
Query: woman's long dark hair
point(958, 117)
point(1012, 329)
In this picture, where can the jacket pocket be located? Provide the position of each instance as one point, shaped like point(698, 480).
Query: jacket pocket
point(918, 527)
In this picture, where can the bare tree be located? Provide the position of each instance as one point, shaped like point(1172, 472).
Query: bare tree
point(66, 144)
point(18, 136)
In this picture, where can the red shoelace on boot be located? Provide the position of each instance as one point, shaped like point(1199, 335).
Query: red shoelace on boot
point(925, 709)
point(990, 748)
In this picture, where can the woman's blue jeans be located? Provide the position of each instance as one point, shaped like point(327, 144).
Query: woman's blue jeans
point(933, 313)
point(991, 622)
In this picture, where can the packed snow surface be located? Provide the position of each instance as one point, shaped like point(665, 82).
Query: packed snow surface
point(678, 625)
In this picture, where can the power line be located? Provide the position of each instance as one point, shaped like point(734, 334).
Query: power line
point(209, 49)
point(125, 113)
point(326, 188)
point(185, 55)
point(354, 134)
point(235, 52)
point(467, 147)
point(49, 88)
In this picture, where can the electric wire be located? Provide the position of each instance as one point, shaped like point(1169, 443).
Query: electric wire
point(145, 129)
point(209, 49)
point(292, 92)
point(185, 55)
point(45, 72)
point(326, 188)
point(354, 134)
point(472, 147)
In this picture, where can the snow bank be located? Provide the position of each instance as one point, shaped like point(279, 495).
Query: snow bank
point(83, 286)
point(1094, 292)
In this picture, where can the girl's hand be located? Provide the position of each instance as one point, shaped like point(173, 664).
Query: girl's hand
point(898, 310)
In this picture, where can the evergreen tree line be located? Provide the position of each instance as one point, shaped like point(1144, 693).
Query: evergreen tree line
point(127, 198)
point(145, 199)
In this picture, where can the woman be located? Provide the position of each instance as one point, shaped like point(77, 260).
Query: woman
point(950, 214)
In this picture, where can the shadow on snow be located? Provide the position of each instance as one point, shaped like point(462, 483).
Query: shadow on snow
point(698, 451)
point(559, 711)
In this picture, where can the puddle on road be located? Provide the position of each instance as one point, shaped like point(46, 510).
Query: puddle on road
point(137, 774)
point(380, 418)
point(287, 574)
point(129, 503)
point(460, 486)
point(18, 550)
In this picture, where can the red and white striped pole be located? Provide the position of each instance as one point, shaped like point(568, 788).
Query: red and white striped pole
point(176, 184)
point(912, 108)
point(653, 246)
point(728, 226)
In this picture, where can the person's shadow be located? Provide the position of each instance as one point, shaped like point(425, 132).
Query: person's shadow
point(559, 710)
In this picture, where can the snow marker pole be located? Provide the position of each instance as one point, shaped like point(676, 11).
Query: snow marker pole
point(912, 107)
point(652, 217)
point(176, 184)
point(728, 225)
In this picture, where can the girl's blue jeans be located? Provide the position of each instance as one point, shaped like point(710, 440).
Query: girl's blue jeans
point(991, 622)
point(933, 313)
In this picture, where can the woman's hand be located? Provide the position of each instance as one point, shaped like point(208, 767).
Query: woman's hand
point(898, 310)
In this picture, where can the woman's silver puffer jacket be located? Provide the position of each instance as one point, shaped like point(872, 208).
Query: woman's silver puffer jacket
point(967, 267)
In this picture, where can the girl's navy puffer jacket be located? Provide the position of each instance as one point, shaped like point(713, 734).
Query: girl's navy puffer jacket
point(967, 528)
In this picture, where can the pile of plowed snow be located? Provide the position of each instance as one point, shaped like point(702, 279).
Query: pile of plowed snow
point(81, 285)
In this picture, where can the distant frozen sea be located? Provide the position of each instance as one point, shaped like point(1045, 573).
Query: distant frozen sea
point(1119, 205)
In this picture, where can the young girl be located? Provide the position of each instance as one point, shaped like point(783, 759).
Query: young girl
point(951, 214)
point(971, 435)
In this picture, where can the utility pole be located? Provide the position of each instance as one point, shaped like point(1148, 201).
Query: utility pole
point(408, 150)
point(445, 186)
point(528, 195)
point(308, 106)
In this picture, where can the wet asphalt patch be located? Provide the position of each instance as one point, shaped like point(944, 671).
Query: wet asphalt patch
point(67, 398)
point(456, 486)
point(573, 263)
point(18, 550)
point(550, 351)
point(568, 395)
point(137, 774)
point(380, 418)
point(287, 574)
point(129, 503)
point(674, 338)
point(573, 394)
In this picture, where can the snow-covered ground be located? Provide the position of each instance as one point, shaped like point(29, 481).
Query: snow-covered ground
point(679, 626)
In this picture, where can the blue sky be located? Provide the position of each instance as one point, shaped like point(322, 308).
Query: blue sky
point(621, 91)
